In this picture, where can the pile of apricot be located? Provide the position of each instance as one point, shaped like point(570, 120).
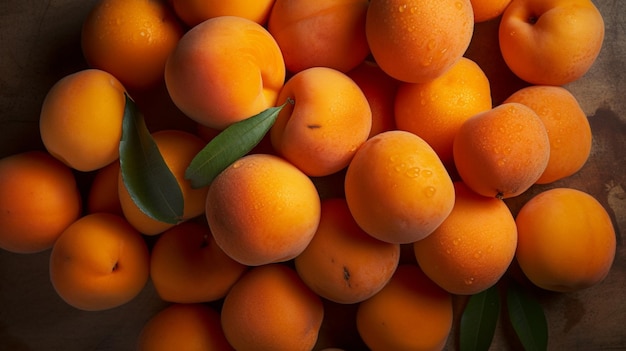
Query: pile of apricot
point(381, 184)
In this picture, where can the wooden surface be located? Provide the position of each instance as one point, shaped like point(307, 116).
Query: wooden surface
point(39, 44)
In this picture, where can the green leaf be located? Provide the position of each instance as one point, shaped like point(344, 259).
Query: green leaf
point(527, 318)
point(479, 320)
point(148, 179)
point(229, 145)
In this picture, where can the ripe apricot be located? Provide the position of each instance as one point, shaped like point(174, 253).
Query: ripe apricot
point(436, 109)
point(566, 240)
point(380, 90)
point(99, 262)
point(567, 126)
point(187, 266)
point(178, 148)
point(39, 199)
point(397, 189)
point(485, 10)
point(131, 39)
point(81, 119)
point(184, 327)
point(333, 30)
point(223, 70)
point(551, 42)
point(270, 308)
point(193, 12)
point(328, 121)
point(409, 313)
point(103, 195)
point(262, 209)
point(503, 151)
point(343, 263)
point(416, 41)
point(473, 247)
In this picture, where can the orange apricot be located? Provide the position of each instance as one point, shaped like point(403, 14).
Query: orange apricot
point(81, 119)
point(177, 148)
point(436, 109)
point(193, 12)
point(328, 121)
point(39, 199)
point(567, 126)
point(99, 262)
point(473, 247)
point(333, 30)
point(224, 70)
point(187, 266)
point(343, 263)
point(102, 194)
point(380, 90)
point(566, 240)
point(397, 189)
point(485, 10)
point(503, 151)
point(409, 313)
point(262, 209)
point(551, 42)
point(416, 41)
point(184, 327)
point(270, 308)
point(131, 39)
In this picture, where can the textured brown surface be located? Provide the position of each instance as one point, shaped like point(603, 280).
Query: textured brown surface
point(39, 44)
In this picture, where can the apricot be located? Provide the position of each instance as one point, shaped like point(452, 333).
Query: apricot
point(409, 313)
point(343, 263)
point(131, 39)
point(193, 12)
point(473, 247)
point(102, 195)
point(436, 109)
point(184, 327)
point(551, 42)
point(485, 10)
point(187, 266)
point(503, 151)
point(333, 30)
point(566, 240)
point(262, 209)
point(99, 262)
point(397, 189)
point(270, 308)
point(380, 90)
point(177, 148)
point(39, 199)
point(416, 41)
point(328, 121)
point(224, 70)
point(81, 119)
point(567, 126)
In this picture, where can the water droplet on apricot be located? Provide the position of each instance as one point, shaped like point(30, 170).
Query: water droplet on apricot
point(469, 281)
point(430, 191)
point(413, 172)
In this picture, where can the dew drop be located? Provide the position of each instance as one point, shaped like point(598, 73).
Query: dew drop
point(469, 281)
point(430, 191)
point(455, 242)
point(413, 172)
point(401, 8)
point(427, 173)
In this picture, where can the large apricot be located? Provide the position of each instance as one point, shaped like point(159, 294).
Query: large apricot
point(566, 240)
point(417, 40)
point(397, 188)
point(503, 151)
point(39, 199)
point(262, 209)
point(271, 309)
point(223, 70)
point(328, 121)
point(333, 30)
